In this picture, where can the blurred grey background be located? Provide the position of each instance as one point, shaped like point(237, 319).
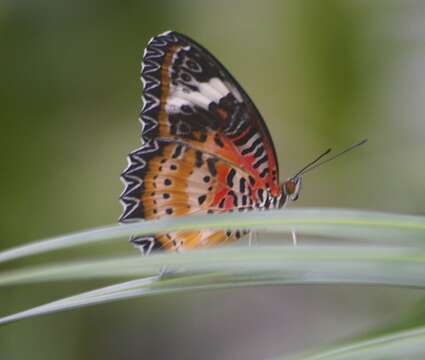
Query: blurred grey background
point(323, 74)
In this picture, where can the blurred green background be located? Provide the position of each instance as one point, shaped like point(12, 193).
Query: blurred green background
point(322, 73)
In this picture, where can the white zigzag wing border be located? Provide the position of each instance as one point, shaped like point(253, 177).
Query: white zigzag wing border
point(151, 79)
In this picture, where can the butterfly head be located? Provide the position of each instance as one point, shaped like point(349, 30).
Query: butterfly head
point(291, 188)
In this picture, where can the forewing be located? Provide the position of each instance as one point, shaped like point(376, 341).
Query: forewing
point(190, 96)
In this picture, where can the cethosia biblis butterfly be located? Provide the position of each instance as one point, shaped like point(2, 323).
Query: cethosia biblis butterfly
point(205, 147)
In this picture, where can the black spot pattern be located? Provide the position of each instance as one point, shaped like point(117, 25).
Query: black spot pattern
point(260, 161)
point(218, 141)
point(199, 160)
point(242, 184)
point(230, 177)
point(177, 151)
point(211, 166)
point(254, 144)
point(201, 199)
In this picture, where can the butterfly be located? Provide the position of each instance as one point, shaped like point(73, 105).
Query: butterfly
point(205, 147)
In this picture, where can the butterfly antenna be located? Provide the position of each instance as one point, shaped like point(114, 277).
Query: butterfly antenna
point(315, 164)
point(305, 168)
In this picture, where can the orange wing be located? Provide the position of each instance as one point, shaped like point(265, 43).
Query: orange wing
point(180, 180)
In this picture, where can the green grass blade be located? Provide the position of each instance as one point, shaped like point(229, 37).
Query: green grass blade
point(331, 222)
point(384, 265)
point(232, 267)
point(110, 293)
point(229, 267)
point(399, 345)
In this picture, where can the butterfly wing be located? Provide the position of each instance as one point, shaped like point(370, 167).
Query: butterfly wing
point(174, 179)
point(196, 118)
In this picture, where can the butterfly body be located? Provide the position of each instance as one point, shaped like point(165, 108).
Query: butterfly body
point(205, 148)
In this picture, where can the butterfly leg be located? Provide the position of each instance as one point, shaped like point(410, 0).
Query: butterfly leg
point(253, 238)
point(294, 237)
